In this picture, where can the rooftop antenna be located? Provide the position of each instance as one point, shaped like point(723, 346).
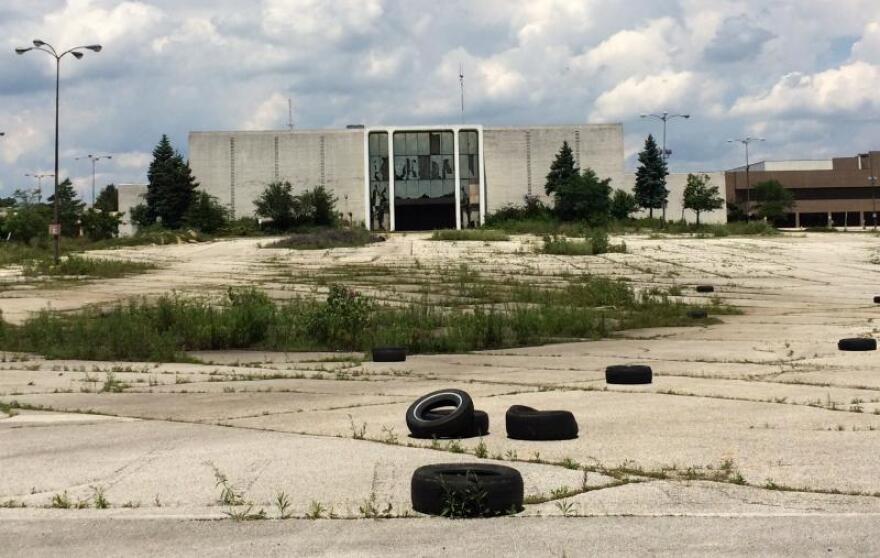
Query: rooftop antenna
point(461, 83)
point(290, 113)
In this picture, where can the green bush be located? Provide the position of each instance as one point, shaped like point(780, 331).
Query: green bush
point(28, 223)
point(206, 214)
point(342, 321)
point(317, 208)
point(485, 235)
point(100, 225)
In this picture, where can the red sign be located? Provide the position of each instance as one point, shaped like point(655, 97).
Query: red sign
point(54, 229)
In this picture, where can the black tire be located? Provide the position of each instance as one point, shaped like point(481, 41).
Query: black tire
point(526, 423)
point(857, 344)
point(467, 490)
point(877, 300)
point(423, 423)
point(698, 314)
point(705, 289)
point(479, 426)
point(389, 354)
point(629, 374)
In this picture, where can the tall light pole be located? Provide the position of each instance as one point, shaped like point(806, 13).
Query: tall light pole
point(40, 178)
point(77, 53)
point(665, 117)
point(746, 141)
point(94, 159)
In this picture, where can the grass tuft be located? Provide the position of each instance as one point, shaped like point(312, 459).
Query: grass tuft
point(470, 235)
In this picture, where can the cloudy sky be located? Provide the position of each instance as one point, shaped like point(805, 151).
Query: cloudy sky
point(805, 74)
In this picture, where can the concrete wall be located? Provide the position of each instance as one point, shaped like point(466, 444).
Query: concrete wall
point(675, 211)
point(130, 195)
point(237, 166)
point(518, 159)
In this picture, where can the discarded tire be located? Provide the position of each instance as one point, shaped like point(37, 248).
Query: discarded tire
point(526, 423)
point(423, 423)
point(877, 300)
point(466, 490)
point(629, 374)
point(479, 426)
point(697, 314)
point(857, 344)
point(705, 289)
point(389, 354)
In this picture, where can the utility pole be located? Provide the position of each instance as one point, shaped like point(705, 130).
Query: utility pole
point(289, 113)
point(94, 159)
point(461, 84)
point(746, 141)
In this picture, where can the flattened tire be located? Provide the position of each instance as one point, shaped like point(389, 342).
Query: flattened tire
point(478, 489)
point(877, 300)
point(389, 354)
point(422, 423)
point(698, 314)
point(857, 344)
point(705, 289)
point(526, 423)
point(479, 427)
point(629, 374)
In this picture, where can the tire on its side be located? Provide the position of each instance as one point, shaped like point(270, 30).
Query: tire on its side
point(629, 374)
point(467, 490)
point(389, 354)
point(479, 426)
point(857, 344)
point(423, 423)
point(705, 289)
point(698, 314)
point(526, 423)
point(877, 300)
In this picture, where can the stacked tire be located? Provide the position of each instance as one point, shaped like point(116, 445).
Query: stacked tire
point(446, 413)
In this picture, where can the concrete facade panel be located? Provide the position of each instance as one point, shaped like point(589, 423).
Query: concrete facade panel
point(675, 211)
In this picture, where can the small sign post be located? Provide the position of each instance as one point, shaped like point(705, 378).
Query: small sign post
point(55, 229)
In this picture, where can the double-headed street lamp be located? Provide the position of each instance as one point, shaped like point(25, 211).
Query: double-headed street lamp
point(746, 141)
point(94, 159)
point(40, 178)
point(665, 117)
point(77, 53)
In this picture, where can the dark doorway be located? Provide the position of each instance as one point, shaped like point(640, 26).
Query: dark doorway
point(425, 214)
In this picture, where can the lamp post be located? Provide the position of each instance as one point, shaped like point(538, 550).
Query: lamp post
point(40, 178)
point(746, 141)
point(873, 181)
point(94, 159)
point(665, 117)
point(77, 53)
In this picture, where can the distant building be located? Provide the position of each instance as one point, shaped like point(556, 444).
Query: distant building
point(130, 195)
point(838, 192)
point(402, 178)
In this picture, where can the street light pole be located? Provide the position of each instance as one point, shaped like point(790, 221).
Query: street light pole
point(40, 178)
point(76, 52)
point(94, 159)
point(746, 141)
point(665, 117)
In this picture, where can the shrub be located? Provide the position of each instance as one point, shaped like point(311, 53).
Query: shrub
point(323, 239)
point(623, 204)
point(205, 213)
point(485, 235)
point(583, 198)
point(28, 223)
point(317, 207)
point(342, 321)
point(100, 225)
point(277, 203)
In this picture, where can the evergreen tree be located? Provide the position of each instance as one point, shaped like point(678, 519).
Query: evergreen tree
point(108, 199)
point(206, 214)
point(563, 169)
point(700, 195)
point(278, 203)
point(583, 198)
point(650, 189)
point(623, 204)
point(70, 208)
point(171, 186)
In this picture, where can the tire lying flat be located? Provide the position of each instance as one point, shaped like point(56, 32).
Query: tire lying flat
point(877, 300)
point(697, 314)
point(629, 374)
point(423, 423)
point(705, 289)
point(857, 344)
point(526, 423)
point(479, 426)
point(389, 354)
point(466, 490)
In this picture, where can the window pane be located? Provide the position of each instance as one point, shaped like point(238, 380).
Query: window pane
point(424, 144)
point(435, 143)
point(446, 143)
point(399, 143)
point(412, 143)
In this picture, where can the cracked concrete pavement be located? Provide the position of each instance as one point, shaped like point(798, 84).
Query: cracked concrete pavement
point(757, 436)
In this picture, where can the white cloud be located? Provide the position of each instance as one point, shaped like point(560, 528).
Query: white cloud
point(868, 46)
point(319, 19)
point(849, 89)
point(270, 115)
point(632, 51)
point(674, 91)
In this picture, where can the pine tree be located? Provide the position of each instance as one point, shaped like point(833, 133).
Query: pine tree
point(563, 169)
point(70, 208)
point(650, 189)
point(171, 186)
point(108, 199)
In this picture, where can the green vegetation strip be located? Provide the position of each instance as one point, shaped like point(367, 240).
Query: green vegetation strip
point(485, 235)
point(586, 308)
